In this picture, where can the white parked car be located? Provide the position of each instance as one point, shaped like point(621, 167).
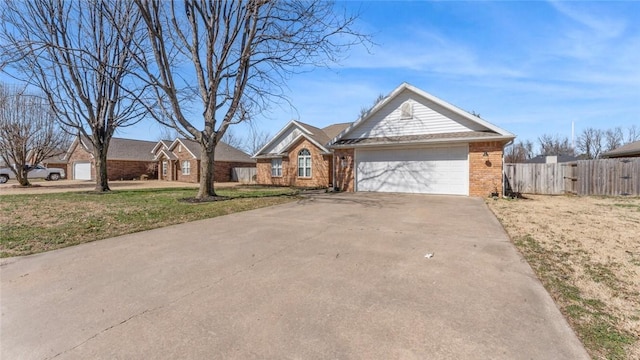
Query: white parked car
point(36, 172)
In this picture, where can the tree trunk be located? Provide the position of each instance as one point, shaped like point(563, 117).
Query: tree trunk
point(22, 175)
point(102, 180)
point(206, 172)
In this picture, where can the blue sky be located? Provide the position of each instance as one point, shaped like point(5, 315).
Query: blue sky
point(529, 67)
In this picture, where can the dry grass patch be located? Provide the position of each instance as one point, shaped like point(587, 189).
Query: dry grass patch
point(35, 223)
point(586, 252)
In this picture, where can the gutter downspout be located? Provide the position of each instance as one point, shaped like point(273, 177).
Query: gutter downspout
point(333, 181)
point(503, 182)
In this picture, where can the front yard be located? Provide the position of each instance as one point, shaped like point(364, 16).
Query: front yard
point(586, 252)
point(40, 222)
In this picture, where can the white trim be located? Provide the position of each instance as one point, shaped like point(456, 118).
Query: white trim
point(278, 166)
point(304, 133)
point(304, 167)
point(426, 142)
point(282, 131)
point(155, 148)
point(188, 168)
point(164, 152)
point(186, 147)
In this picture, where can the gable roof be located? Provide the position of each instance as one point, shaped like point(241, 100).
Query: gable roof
point(223, 152)
point(162, 144)
point(335, 129)
point(630, 149)
point(319, 137)
point(119, 149)
point(479, 129)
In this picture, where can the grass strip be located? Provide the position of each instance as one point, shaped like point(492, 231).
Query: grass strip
point(36, 223)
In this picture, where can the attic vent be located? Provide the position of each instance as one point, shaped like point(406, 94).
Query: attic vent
point(406, 111)
point(179, 148)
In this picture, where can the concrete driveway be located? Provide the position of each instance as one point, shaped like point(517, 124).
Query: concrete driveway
point(339, 276)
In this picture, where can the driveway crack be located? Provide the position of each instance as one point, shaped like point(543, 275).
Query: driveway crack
point(191, 293)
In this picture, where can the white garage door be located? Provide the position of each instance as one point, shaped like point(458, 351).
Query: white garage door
point(82, 171)
point(433, 170)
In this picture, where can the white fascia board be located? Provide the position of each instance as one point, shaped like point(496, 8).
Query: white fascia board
point(425, 142)
point(155, 148)
point(179, 141)
point(320, 146)
point(282, 131)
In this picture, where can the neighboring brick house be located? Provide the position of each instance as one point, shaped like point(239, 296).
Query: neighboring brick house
point(179, 160)
point(298, 156)
point(410, 142)
point(127, 159)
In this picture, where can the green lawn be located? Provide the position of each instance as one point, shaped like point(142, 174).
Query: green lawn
point(35, 223)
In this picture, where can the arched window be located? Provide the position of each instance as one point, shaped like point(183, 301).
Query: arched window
point(304, 163)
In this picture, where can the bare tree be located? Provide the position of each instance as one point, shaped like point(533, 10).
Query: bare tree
point(230, 138)
point(255, 140)
point(167, 133)
point(519, 152)
point(614, 138)
point(77, 52)
point(590, 142)
point(28, 131)
point(555, 145)
point(633, 134)
point(365, 110)
point(239, 54)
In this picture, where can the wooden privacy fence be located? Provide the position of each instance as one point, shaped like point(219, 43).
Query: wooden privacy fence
point(611, 177)
point(244, 175)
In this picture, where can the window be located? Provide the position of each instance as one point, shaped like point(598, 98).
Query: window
point(406, 111)
point(304, 163)
point(165, 165)
point(276, 167)
point(186, 167)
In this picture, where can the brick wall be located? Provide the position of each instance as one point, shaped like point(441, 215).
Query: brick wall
point(321, 165)
point(222, 169)
point(485, 173)
point(79, 154)
point(344, 169)
point(184, 155)
point(130, 170)
point(159, 164)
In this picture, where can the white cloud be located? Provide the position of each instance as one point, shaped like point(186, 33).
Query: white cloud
point(427, 51)
point(599, 24)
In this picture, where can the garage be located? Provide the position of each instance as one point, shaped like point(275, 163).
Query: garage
point(426, 170)
point(82, 171)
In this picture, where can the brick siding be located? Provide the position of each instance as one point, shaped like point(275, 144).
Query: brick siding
point(130, 170)
point(485, 173)
point(194, 171)
point(344, 169)
point(80, 155)
point(321, 165)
